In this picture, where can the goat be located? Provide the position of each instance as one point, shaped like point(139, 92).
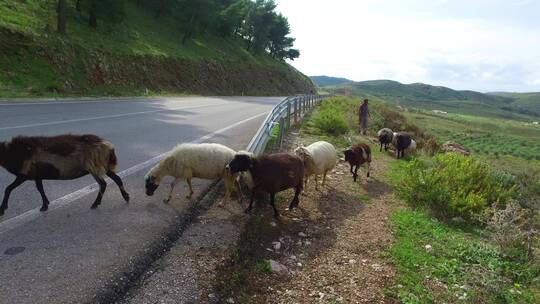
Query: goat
point(271, 173)
point(63, 157)
point(385, 136)
point(356, 156)
point(402, 141)
point(186, 161)
point(319, 158)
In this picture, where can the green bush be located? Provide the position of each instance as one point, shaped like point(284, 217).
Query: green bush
point(451, 185)
point(329, 117)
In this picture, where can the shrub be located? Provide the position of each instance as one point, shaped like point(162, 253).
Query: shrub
point(329, 118)
point(450, 185)
point(512, 229)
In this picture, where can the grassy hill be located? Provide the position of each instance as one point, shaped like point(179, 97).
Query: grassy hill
point(143, 52)
point(328, 81)
point(419, 95)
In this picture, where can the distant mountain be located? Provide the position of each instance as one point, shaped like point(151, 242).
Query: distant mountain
point(437, 97)
point(329, 81)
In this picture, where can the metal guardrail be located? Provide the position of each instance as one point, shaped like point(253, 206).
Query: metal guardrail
point(288, 112)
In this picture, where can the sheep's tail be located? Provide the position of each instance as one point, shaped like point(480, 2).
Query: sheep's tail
point(113, 160)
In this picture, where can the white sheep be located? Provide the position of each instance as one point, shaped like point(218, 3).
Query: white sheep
point(319, 158)
point(186, 161)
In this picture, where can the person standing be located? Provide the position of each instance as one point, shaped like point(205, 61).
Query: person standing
point(363, 116)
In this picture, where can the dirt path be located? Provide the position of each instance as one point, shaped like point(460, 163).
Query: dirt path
point(328, 251)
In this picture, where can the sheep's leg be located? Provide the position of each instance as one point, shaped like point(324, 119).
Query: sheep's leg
point(273, 203)
point(316, 182)
point(229, 185)
point(118, 181)
point(190, 188)
point(250, 206)
point(16, 183)
point(368, 167)
point(295, 201)
point(352, 172)
point(39, 186)
point(173, 184)
point(239, 192)
point(102, 186)
point(380, 150)
point(356, 172)
point(324, 178)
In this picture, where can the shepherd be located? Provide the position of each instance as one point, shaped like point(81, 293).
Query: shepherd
point(363, 116)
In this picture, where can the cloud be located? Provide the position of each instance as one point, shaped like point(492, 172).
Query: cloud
point(415, 41)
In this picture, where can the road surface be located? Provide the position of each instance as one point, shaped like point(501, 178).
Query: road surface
point(70, 253)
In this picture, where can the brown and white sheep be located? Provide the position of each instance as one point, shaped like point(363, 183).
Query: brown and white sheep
point(356, 156)
point(271, 173)
point(63, 157)
point(403, 142)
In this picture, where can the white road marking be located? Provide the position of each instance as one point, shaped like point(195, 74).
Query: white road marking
point(60, 122)
point(33, 214)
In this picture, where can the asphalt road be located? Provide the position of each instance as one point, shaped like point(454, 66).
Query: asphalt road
point(70, 253)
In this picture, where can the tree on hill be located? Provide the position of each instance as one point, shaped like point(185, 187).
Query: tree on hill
point(61, 16)
point(280, 45)
point(232, 16)
point(255, 21)
point(196, 16)
point(107, 10)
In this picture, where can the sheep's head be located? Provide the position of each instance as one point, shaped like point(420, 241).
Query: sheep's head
point(349, 155)
point(242, 161)
point(302, 152)
point(151, 181)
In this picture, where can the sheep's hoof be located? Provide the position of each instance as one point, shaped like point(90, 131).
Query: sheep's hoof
point(1, 212)
point(94, 206)
point(189, 196)
point(220, 204)
point(247, 211)
point(125, 195)
point(44, 208)
point(166, 201)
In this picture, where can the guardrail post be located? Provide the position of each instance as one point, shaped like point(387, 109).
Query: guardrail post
point(281, 131)
point(288, 115)
point(295, 110)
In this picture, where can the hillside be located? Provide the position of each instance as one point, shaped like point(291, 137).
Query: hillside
point(328, 81)
point(141, 54)
point(525, 102)
point(516, 105)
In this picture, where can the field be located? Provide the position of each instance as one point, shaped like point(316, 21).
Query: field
point(505, 143)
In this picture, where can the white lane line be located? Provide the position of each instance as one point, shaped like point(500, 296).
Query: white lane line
point(60, 122)
point(63, 201)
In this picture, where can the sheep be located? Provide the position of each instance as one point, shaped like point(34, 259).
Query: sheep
point(403, 141)
point(356, 156)
point(186, 161)
point(385, 136)
point(319, 158)
point(271, 173)
point(63, 157)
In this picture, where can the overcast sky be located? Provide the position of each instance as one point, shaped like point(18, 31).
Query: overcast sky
point(484, 45)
